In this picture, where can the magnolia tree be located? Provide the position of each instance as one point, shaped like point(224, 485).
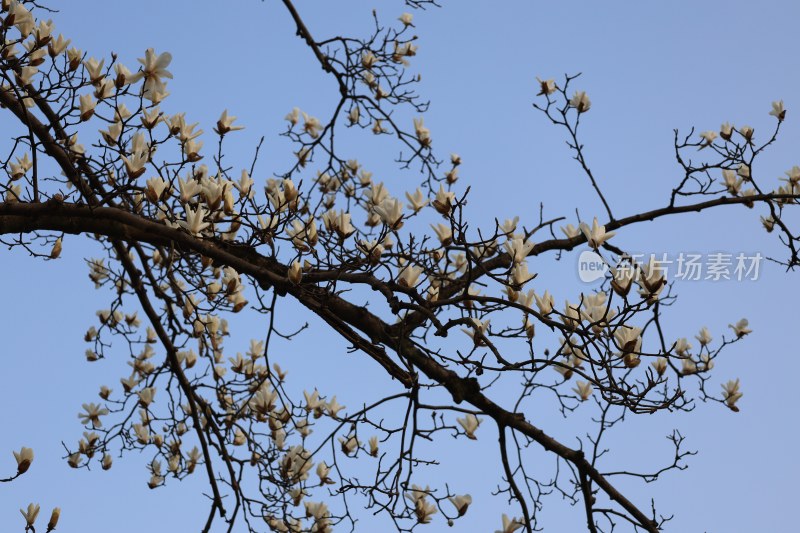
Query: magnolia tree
point(94, 150)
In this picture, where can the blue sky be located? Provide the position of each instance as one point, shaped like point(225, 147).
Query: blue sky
point(648, 67)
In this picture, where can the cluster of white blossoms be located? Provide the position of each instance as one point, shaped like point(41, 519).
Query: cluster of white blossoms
point(736, 179)
point(32, 513)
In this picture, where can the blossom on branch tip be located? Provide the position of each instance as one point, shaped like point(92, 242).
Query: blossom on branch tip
point(509, 226)
point(54, 516)
point(704, 337)
point(354, 115)
point(146, 396)
point(349, 444)
point(478, 330)
point(461, 503)
point(731, 394)
point(225, 124)
point(311, 125)
point(156, 189)
point(391, 212)
point(682, 347)
point(583, 390)
point(518, 248)
point(57, 46)
point(778, 111)
point(87, 105)
point(444, 233)
point(597, 235)
point(660, 365)
point(31, 514)
point(546, 87)
point(92, 415)
point(26, 75)
point(194, 223)
point(154, 70)
point(21, 167)
point(418, 201)
point(740, 328)
point(444, 201)
point(293, 116)
point(24, 459)
point(95, 69)
point(423, 133)
point(580, 101)
point(726, 131)
point(544, 303)
point(708, 138)
point(470, 424)
point(373, 446)
point(510, 525)
point(570, 231)
point(295, 272)
point(409, 277)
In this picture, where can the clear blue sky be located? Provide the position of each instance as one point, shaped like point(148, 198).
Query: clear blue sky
point(649, 67)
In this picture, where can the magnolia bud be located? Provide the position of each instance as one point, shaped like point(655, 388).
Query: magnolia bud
point(54, 516)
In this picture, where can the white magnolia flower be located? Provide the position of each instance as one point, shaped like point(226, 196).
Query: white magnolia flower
point(95, 69)
point(154, 70)
point(704, 337)
point(570, 231)
point(708, 138)
point(478, 330)
point(194, 223)
point(461, 503)
point(24, 459)
point(92, 415)
point(444, 201)
point(731, 394)
point(87, 105)
point(146, 396)
point(510, 525)
point(546, 87)
point(409, 277)
point(580, 101)
point(597, 235)
point(660, 365)
point(518, 248)
point(311, 125)
point(740, 328)
point(544, 303)
point(225, 124)
point(627, 338)
point(725, 131)
point(391, 212)
point(732, 182)
point(444, 232)
point(583, 389)
point(373, 446)
point(469, 423)
point(682, 347)
point(31, 514)
point(423, 133)
point(349, 444)
point(418, 201)
point(778, 110)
